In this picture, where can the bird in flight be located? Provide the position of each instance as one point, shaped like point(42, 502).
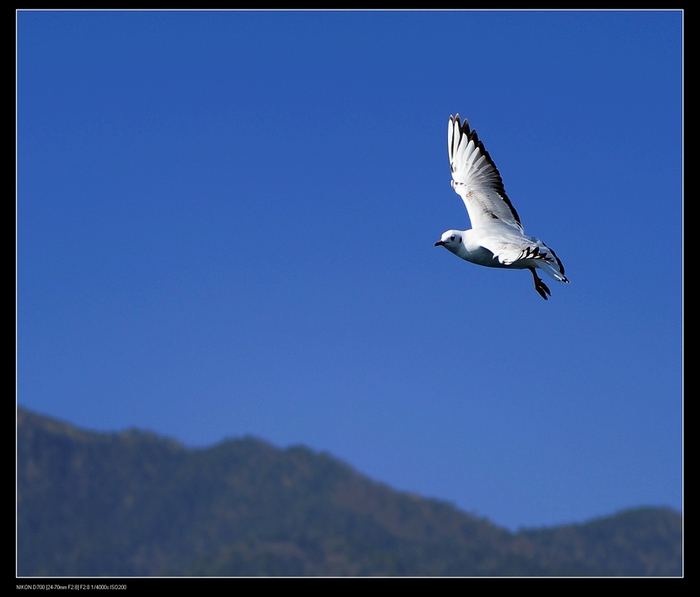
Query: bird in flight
point(497, 238)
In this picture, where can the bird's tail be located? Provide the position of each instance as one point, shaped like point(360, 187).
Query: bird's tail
point(553, 268)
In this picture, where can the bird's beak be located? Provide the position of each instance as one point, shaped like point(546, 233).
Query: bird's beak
point(439, 243)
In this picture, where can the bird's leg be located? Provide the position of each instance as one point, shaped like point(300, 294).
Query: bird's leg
point(540, 286)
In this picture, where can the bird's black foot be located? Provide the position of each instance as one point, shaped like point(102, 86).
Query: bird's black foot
point(540, 286)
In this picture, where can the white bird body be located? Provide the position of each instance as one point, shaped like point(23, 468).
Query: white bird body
point(497, 238)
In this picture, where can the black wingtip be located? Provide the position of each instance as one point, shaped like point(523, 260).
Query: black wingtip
point(463, 126)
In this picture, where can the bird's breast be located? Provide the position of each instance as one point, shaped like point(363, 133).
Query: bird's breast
point(480, 255)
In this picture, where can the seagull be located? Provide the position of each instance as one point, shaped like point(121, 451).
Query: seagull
point(497, 238)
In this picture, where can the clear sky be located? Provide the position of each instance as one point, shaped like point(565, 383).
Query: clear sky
point(226, 224)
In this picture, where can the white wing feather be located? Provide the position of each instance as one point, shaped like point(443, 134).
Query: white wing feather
point(523, 251)
point(476, 179)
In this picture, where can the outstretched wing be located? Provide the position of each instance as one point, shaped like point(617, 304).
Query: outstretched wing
point(476, 179)
point(523, 252)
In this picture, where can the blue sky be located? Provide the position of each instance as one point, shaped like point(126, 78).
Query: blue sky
point(226, 224)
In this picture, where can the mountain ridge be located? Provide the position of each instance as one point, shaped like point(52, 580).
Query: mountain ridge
point(133, 503)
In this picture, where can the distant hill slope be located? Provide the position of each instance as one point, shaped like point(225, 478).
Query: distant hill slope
point(135, 504)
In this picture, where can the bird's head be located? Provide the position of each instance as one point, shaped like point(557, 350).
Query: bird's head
point(451, 240)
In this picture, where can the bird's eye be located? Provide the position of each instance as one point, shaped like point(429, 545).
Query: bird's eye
point(452, 237)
